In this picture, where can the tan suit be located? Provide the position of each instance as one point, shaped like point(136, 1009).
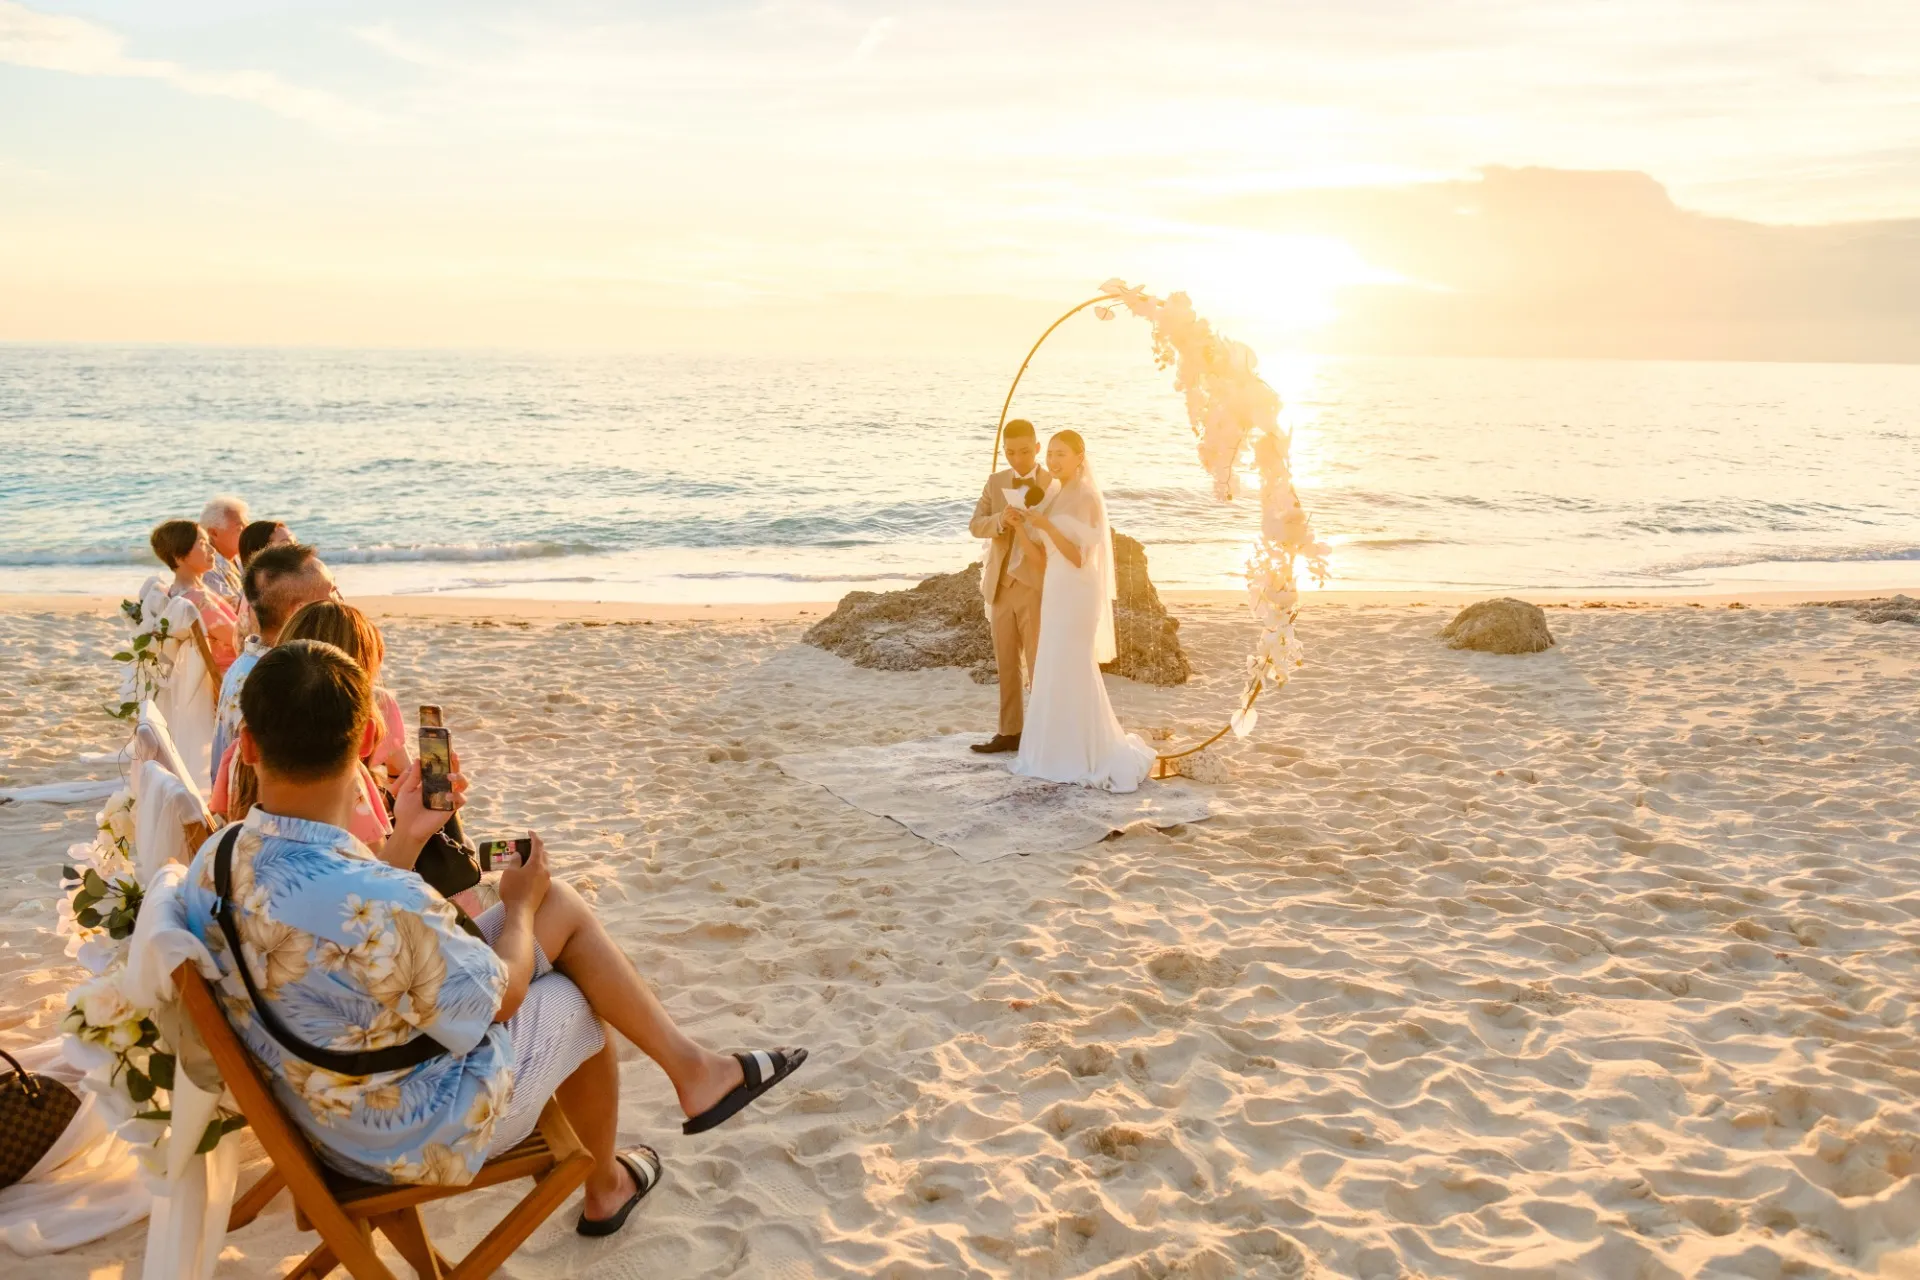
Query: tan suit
point(1012, 591)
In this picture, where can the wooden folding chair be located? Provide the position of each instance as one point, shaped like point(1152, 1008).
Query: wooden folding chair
point(346, 1212)
point(205, 646)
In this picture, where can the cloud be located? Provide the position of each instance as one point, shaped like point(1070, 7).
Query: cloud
point(52, 42)
point(1555, 262)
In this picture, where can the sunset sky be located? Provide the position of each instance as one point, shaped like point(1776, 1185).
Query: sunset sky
point(791, 174)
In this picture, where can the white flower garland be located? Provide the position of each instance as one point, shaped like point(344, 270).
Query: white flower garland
point(1235, 413)
point(129, 1063)
point(148, 657)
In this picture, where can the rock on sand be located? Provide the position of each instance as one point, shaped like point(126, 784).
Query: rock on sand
point(1505, 625)
point(942, 623)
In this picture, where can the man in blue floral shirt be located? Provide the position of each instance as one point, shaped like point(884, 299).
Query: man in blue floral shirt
point(356, 955)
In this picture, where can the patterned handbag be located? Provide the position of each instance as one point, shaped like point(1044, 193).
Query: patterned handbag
point(34, 1112)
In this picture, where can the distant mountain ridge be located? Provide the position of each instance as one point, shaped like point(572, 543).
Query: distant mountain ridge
point(1555, 262)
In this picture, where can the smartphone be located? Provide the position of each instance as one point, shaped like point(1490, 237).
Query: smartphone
point(508, 852)
point(436, 767)
point(430, 716)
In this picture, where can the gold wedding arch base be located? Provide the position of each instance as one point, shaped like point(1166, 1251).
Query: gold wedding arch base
point(1163, 765)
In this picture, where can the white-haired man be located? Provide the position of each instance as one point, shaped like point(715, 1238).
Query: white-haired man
point(223, 518)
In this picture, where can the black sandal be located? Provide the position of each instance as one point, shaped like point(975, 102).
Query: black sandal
point(764, 1068)
point(644, 1164)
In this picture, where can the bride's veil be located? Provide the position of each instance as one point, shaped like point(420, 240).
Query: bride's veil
point(1099, 558)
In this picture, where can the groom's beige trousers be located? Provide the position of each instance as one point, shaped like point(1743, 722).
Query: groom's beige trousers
point(1016, 637)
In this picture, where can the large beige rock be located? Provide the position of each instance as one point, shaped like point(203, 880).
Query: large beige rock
point(943, 623)
point(1505, 625)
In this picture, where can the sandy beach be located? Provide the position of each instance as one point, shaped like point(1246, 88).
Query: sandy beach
point(1596, 962)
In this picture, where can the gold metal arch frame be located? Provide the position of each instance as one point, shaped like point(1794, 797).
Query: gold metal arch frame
point(1163, 764)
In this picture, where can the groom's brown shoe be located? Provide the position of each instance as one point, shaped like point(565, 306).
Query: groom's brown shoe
point(1001, 743)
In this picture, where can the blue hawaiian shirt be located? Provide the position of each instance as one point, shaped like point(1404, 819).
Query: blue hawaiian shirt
point(354, 954)
point(226, 716)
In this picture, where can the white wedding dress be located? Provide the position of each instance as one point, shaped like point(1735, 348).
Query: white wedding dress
point(1071, 734)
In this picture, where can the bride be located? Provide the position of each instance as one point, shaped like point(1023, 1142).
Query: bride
point(1071, 734)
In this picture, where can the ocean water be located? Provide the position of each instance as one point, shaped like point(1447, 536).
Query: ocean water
point(757, 478)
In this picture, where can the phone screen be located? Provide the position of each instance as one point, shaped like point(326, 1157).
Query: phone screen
point(503, 852)
point(436, 767)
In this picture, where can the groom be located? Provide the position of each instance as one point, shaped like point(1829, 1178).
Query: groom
point(1010, 579)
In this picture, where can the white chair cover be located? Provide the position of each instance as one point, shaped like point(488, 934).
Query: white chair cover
point(162, 806)
point(153, 740)
point(191, 1199)
point(186, 700)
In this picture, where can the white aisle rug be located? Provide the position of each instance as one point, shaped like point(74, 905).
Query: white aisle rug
point(62, 793)
point(941, 791)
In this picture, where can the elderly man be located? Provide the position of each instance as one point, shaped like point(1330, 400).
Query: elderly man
point(223, 518)
point(279, 580)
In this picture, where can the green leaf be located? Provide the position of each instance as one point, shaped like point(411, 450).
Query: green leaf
point(125, 655)
point(95, 885)
point(69, 875)
point(139, 1086)
point(218, 1128)
point(87, 918)
point(160, 1067)
point(82, 900)
point(141, 641)
point(149, 1033)
point(162, 1114)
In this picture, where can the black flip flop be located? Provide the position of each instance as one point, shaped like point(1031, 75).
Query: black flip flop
point(764, 1069)
point(644, 1164)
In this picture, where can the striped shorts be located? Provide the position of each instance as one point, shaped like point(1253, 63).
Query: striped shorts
point(552, 1033)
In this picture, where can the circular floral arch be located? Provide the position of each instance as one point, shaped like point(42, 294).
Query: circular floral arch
point(1235, 415)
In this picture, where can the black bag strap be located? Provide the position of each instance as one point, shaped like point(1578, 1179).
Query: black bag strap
point(29, 1083)
point(364, 1062)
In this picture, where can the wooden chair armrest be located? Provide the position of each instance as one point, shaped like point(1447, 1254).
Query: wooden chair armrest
point(213, 673)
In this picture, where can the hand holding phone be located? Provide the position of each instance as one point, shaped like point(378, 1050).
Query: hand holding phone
point(526, 885)
point(436, 768)
point(503, 855)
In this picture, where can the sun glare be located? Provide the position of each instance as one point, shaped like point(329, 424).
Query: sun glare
point(1273, 290)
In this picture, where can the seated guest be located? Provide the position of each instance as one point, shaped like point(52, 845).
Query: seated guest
point(260, 535)
point(254, 539)
point(359, 964)
point(184, 547)
point(278, 581)
point(346, 628)
point(223, 518)
point(447, 862)
point(444, 862)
